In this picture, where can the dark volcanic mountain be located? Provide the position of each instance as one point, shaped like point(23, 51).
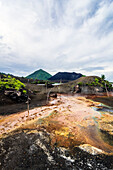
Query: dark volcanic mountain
point(65, 76)
point(40, 75)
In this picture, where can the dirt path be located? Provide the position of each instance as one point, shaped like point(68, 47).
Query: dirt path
point(77, 108)
point(73, 124)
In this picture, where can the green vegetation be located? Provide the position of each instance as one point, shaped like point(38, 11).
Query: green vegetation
point(40, 75)
point(80, 83)
point(24, 91)
point(11, 83)
point(103, 77)
point(38, 82)
point(83, 75)
point(96, 81)
point(1, 73)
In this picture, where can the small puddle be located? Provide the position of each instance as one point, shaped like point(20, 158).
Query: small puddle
point(103, 109)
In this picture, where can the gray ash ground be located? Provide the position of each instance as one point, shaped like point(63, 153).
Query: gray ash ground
point(32, 151)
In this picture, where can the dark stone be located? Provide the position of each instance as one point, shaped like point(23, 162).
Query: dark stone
point(17, 96)
point(22, 151)
point(54, 95)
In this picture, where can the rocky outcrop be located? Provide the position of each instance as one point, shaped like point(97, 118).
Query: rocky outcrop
point(91, 89)
point(28, 149)
point(17, 96)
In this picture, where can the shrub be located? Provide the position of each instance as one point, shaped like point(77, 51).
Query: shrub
point(96, 80)
point(24, 91)
point(80, 83)
point(10, 83)
point(103, 77)
point(93, 83)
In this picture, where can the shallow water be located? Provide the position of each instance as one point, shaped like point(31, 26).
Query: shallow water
point(103, 110)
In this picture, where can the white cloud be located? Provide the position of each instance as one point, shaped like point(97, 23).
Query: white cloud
point(67, 35)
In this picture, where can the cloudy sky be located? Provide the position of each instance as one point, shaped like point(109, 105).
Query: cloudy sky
point(56, 35)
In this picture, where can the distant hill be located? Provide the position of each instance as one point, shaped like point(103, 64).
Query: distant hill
point(65, 76)
point(90, 81)
point(85, 81)
point(2, 73)
point(40, 75)
point(22, 79)
point(87, 85)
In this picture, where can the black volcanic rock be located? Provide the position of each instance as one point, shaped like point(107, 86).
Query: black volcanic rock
point(65, 76)
point(25, 150)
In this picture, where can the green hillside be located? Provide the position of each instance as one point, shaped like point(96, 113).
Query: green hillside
point(89, 81)
point(8, 82)
point(40, 75)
